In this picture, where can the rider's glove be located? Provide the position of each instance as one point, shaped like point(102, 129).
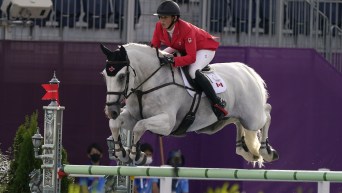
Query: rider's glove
point(167, 59)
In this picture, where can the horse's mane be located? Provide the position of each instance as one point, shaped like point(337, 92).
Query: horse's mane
point(135, 45)
point(142, 53)
point(140, 47)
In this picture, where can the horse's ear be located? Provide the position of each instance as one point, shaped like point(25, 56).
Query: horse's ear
point(105, 50)
point(122, 50)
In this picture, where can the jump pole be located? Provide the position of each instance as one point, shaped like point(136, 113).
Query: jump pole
point(208, 173)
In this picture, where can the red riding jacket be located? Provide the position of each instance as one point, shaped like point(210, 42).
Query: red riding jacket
point(186, 38)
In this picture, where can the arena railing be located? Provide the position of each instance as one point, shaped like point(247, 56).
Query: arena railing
point(271, 23)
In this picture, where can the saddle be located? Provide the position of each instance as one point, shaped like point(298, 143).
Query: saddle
point(216, 81)
point(196, 92)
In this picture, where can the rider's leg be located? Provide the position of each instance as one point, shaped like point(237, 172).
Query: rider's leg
point(203, 58)
point(217, 102)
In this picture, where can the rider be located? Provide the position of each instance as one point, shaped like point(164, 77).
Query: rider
point(198, 45)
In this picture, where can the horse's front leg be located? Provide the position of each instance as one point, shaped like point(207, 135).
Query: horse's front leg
point(160, 124)
point(126, 121)
point(119, 152)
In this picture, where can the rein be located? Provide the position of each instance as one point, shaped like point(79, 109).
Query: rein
point(140, 93)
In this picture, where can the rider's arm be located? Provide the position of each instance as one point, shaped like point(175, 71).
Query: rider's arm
point(190, 49)
point(155, 42)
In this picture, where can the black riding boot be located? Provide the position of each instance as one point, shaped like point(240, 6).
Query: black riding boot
point(218, 103)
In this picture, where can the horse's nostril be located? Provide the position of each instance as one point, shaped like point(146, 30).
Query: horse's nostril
point(114, 114)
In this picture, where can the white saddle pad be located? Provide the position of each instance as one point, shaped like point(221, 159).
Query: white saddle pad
point(216, 82)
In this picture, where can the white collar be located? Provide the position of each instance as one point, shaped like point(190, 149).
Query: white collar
point(171, 30)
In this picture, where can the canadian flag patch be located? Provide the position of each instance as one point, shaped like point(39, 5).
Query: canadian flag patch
point(219, 84)
point(111, 69)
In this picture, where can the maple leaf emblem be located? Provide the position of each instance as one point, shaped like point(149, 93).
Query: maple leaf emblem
point(111, 69)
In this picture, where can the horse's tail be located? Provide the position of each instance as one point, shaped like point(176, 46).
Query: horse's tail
point(259, 81)
point(268, 107)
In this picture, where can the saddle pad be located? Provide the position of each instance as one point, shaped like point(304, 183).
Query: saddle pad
point(216, 82)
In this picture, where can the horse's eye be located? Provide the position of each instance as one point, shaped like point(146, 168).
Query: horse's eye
point(121, 77)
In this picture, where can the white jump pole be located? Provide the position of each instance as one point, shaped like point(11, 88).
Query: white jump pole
point(209, 173)
point(323, 186)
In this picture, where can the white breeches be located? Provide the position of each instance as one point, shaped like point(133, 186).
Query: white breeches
point(203, 58)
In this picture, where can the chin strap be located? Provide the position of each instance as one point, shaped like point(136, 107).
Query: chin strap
point(173, 22)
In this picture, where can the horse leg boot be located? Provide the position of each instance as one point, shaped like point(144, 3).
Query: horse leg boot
point(241, 147)
point(119, 151)
point(268, 153)
point(217, 102)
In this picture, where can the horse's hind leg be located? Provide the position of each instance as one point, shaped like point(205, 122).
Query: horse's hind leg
point(268, 153)
point(252, 142)
point(241, 147)
point(248, 145)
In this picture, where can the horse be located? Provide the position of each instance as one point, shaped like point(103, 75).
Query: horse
point(156, 99)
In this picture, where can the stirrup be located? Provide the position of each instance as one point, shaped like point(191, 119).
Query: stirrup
point(219, 110)
point(222, 102)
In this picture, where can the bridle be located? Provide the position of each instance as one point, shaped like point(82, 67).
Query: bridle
point(140, 93)
point(124, 92)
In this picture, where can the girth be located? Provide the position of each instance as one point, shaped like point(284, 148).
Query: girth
point(189, 117)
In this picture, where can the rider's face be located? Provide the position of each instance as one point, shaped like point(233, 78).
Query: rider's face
point(166, 20)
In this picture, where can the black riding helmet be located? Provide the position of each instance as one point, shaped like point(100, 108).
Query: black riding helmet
point(168, 8)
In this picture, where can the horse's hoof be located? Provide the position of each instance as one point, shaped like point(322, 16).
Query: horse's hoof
point(268, 153)
point(132, 156)
point(129, 161)
point(142, 160)
point(123, 155)
point(260, 162)
point(269, 157)
point(275, 155)
point(245, 154)
point(256, 158)
point(126, 160)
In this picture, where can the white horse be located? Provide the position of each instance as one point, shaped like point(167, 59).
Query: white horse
point(157, 100)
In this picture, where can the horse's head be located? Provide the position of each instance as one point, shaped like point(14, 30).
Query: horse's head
point(116, 78)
